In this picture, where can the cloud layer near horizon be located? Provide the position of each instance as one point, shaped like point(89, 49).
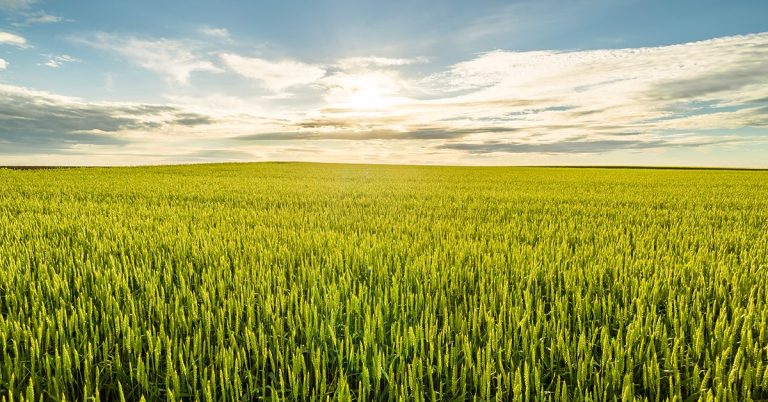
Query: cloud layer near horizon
point(693, 95)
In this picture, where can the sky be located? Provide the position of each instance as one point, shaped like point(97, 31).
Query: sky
point(533, 82)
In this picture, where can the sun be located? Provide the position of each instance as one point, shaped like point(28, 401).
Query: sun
point(366, 91)
point(368, 95)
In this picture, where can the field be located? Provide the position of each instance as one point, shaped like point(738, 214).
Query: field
point(313, 282)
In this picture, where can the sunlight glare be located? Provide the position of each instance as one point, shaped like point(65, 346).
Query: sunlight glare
point(364, 91)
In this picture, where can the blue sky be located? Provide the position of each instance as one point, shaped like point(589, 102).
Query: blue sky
point(452, 82)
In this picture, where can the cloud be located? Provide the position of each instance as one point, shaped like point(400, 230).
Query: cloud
point(3, 64)
point(374, 62)
point(422, 133)
point(21, 14)
point(176, 60)
point(702, 97)
point(218, 33)
point(550, 102)
point(622, 73)
point(16, 4)
point(41, 17)
point(575, 146)
point(34, 121)
point(12, 39)
point(56, 61)
point(275, 76)
point(709, 84)
point(368, 81)
point(649, 91)
point(192, 119)
point(519, 18)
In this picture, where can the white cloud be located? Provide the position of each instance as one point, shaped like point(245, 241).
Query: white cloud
point(219, 33)
point(109, 82)
point(496, 107)
point(176, 60)
point(56, 61)
point(16, 4)
point(627, 87)
point(3, 64)
point(275, 76)
point(552, 102)
point(20, 13)
point(12, 39)
point(41, 17)
point(374, 61)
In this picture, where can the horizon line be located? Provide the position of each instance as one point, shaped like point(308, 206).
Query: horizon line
point(628, 167)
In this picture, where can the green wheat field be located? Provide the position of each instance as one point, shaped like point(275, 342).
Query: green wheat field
point(292, 281)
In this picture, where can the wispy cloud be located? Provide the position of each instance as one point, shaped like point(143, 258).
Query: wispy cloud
point(22, 13)
point(644, 91)
point(273, 75)
point(576, 146)
point(174, 59)
point(12, 39)
point(577, 102)
point(16, 4)
point(3, 64)
point(218, 33)
point(527, 17)
point(414, 133)
point(56, 61)
point(689, 97)
point(41, 17)
point(375, 61)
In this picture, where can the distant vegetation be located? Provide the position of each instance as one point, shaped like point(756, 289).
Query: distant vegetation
point(307, 282)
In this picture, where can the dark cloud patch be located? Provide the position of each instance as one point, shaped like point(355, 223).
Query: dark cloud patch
point(585, 88)
point(527, 112)
point(359, 123)
point(757, 117)
point(623, 133)
point(193, 119)
point(32, 122)
point(759, 100)
point(570, 146)
point(754, 72)
point(586, 112)
point(277, 136)
point(511, 117)
point(603, 129)
point(49, 144)
point(381, 134)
